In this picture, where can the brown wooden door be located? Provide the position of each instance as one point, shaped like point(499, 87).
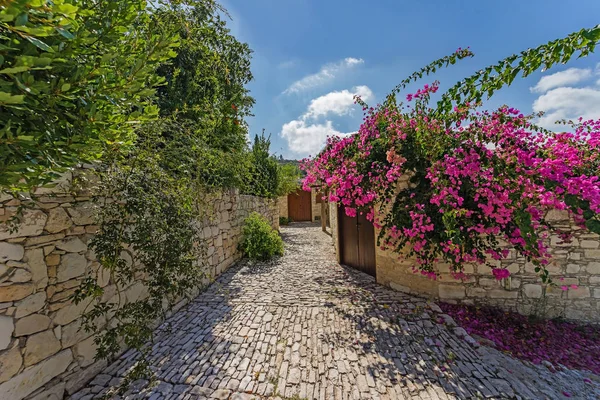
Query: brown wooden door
point(357, 242)
point(299, 207)
point(348, 232)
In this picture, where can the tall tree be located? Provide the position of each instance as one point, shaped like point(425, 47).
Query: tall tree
point(76, 78)
point(206, 81)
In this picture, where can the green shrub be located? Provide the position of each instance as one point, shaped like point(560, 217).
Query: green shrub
point(261, 242)
point(283, 221)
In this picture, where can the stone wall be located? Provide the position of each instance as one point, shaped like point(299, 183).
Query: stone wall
point(282, 203)
point(578, 263)
point(333, 222)
point(316, 207)
point(43, 354)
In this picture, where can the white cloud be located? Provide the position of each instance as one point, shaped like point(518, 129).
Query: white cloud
point(567, 103)
point(339, 103)
point(307, 135)
point(569, 76)
point(561, 100)
point(307, 139)
point(327, 73)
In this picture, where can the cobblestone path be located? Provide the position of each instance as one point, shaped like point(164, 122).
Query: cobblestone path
point(306, 328)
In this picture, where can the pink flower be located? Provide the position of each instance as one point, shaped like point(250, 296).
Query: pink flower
point(458, 275)
point(464, 179)
point(500, 273)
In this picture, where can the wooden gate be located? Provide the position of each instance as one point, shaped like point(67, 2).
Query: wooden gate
point(299, 207)
point(357, 242)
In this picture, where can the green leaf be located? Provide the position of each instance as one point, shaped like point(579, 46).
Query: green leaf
point(15, 70)
point(6, 17)
point(65, 33)
point(7, 98)
point(593, 225)
point(38, 31)
point(65, 87)
point(33, 61)
point(571, 200)
point(21, 19)
point(67, 9)
point(39, 44)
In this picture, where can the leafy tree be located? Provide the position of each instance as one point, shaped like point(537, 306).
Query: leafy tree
point(289, 179)
point(264, 170)
point(269, 178)
point(76, 78)
point(207, 78)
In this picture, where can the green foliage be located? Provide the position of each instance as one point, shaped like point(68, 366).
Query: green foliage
point(269, 178)
point(161, 181)
point(76, 78)
point(149, 236)
point(264, 170)
point(284, 221)
point(206, 95)
point(187, 153)
point(154, 91)
point(289, 179)
point(489, 80)
point(492, 78)
point(207, 78)
point(260, 242)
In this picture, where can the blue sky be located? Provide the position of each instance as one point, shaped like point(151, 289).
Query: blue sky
point(311, 56)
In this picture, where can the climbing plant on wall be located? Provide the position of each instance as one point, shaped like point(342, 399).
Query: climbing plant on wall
point(149, 245)
point(449, 183)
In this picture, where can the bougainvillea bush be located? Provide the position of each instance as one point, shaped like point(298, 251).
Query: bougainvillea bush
point(557, 342)
point(478, 181)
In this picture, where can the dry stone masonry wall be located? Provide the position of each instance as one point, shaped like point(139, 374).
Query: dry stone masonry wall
point(575, 265)
point(315, 206)
point(43, 353)
point(283, 206)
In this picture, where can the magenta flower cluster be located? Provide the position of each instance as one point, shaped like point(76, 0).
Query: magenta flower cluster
point(461, 187)
point(500, 273)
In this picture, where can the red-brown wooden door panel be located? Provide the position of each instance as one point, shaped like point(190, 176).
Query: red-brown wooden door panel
point(357, 242)
point(366, 245)
point(348, 239)
point(299, 207)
